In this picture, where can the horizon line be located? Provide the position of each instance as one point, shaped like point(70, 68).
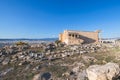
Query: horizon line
point(28, 38)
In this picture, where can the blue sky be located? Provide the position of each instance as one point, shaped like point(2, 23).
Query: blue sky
point(47, 18)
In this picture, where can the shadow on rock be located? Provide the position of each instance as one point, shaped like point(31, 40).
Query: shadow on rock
point(46, 76)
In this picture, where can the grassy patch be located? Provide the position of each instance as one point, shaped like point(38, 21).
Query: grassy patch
point(57, 70)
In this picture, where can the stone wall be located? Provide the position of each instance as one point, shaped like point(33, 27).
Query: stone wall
point(78, 37)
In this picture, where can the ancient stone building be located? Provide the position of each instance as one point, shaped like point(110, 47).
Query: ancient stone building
point(71, 37)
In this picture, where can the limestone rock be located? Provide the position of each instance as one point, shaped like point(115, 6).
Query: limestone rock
point(6, 61)
point(78, 67)
point(82, 75)
point(37, 77)
point(105, 72)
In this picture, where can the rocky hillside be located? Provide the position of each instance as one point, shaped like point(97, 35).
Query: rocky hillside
point(56, 61)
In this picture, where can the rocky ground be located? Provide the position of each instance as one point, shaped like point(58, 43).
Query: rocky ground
point(56, 61)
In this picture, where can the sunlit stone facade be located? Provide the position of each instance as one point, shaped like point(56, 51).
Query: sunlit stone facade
point(71, 37)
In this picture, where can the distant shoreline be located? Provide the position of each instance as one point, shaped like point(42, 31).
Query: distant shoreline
point(41, 39)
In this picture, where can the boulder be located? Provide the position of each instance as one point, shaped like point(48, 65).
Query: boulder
point(106, 72)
